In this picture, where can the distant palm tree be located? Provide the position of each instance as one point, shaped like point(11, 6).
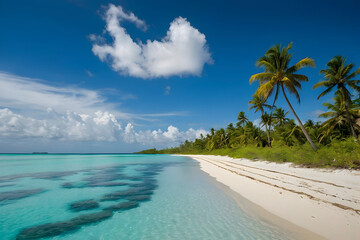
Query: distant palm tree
point(212, 130)
point(338, 115)
point(266, 121)
point(242, 118)
point(314, 129)
point(230, 128)
point(259, 103)
point(338, 75)
point(279, 116)
point(309, 124)
point(221, 137)
point(278, 75)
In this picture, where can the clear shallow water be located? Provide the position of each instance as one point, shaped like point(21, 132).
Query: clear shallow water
point(117, 197)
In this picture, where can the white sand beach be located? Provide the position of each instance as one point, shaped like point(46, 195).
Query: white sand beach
point(323, 201)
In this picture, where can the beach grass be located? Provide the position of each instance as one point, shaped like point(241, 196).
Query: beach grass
point(339, 154)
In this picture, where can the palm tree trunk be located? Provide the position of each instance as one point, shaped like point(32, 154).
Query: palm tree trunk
point(349, 121)
point(298, 119)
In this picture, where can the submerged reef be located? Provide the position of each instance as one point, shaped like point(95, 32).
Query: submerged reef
point(54, 229)
point(83, 205)
point(18, 194)
point(123, 206)
point(138, 188)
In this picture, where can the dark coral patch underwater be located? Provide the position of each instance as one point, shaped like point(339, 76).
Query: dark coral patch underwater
point(59, 228)
point(123, 206)
point(140, 190)
point(83, 205)
point(126, 193)
point(18, 194)
point(139, 198)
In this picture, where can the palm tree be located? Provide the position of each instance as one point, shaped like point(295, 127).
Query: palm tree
point(210, 143)
point(266, 121)
point(314, 129)
point(212, 130)
point(293, 133)
point(259, 103)
point(338, 75)
point(309, 123)
point(242, 118)
point(280, 116)
point(339, 114)
point(222, 138)
point(230, 131)
point(230, 128)
point(277, 74)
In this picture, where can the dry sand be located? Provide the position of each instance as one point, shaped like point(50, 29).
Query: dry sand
point(325, 202)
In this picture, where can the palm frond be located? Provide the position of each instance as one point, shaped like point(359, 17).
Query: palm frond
point(327, 114)
point(320, 84)
point(267, 63)
point(292, 89)
point(326, 91)
point(354, 84)
point(352, 75)
point(306, 62)
point(300, 77)
point(261, 77)
point(265, 89)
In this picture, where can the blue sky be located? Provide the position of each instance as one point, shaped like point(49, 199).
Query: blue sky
point(52, 77)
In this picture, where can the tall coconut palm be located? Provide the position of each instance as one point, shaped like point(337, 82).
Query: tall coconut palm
point(279, 75)
point(338, 74)
point(242, 118)
point(259, 103)
point(338, 115)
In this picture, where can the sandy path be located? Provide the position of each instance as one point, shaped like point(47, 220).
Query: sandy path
point(326, 202)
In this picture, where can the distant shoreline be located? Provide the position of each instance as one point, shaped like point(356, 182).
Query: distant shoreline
point(325, 202)
point(49, 153)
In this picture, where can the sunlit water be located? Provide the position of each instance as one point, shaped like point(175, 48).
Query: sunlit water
point(117, 197)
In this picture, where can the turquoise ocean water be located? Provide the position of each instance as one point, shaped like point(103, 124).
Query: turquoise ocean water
point(117, 196)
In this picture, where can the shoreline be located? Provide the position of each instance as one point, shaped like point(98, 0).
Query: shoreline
point(265, 217)
point(307, 203)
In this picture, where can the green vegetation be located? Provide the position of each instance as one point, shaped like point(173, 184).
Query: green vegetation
point(149, 151)
point(277, 74)
point(338, 75)
point(339, 154)
point(332, 143)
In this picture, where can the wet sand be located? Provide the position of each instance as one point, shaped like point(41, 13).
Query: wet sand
point(309, 203)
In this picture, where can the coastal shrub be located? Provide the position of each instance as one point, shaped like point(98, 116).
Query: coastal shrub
point(338, 154)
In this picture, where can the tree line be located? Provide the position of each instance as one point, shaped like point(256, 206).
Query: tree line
point(341, 120)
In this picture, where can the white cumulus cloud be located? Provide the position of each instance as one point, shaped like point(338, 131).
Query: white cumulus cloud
point(171, 137)
point(100, 126)
point(33, 109)
point(183, 51)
